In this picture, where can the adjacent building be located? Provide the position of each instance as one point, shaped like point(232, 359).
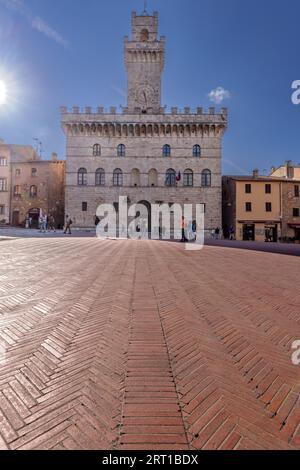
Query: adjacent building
point(263, 208)
point(290, 197)
point(145, 152)
point(4, 183)
point(252, 207)
point(30, 185)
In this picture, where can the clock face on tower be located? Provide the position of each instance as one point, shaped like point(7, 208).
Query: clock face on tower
point(145, 95)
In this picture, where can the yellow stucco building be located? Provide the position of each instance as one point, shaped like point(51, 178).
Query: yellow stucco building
point(263, 208)
point(252, 207)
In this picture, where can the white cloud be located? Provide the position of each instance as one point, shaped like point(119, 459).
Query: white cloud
point(219, 95)
point(35, 22)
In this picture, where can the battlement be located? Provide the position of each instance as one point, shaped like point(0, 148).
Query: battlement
point(113, 110)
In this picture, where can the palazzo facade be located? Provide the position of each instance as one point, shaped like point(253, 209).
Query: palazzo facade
point(144, 151)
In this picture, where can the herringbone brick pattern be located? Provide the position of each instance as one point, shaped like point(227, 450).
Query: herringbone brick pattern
point(142, 345)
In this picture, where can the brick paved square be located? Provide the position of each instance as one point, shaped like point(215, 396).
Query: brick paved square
point(143, 345)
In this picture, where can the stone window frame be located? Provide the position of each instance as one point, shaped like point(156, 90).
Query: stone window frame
point(170, 180)
point(17, 172)
point(118, 177)
point(197, 151)
point(296, 212)
point(166, 150)
point(96, 150)
point(100, 177)
point(188, 178)
point(33, 172)
point(3, 161)
point(206, 178)
point(3, 184)
point(82, 177)
point(121, 150)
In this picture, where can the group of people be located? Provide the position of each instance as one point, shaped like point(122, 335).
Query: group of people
point(46, 223)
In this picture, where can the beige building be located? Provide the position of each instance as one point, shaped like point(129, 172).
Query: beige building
point(290, 195)
point(144, 152)
point(4, 183)
point(29, 185)
point(252, 207)
point(263, 208)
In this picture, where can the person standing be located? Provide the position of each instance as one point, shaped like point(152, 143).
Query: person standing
point(217, 232)
point(183, 230)
point(68, 225)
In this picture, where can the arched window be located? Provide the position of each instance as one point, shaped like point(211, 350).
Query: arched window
point(196, 151)
point(118, 177)
point(121, 150)
point(82, 177)
point(152, 177)
point(100, 177)
point(135, 177)
point(206, 178)
point(170, 177)
point(188, 178)
point(97, 150)
point(166, 151)
point(33, 191)
point(144, 35)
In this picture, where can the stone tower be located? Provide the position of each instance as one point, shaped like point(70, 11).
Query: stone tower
point(144, 61)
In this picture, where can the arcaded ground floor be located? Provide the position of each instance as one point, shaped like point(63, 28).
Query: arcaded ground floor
point(143, 345)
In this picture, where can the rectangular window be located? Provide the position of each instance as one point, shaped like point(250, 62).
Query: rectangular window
point(33, 172)
point(296, 190)
point(84, 206)
point(296, 212)
point(248, 188)
point(268, 189)
point(17, 190)
point(3, 161)
point(268, 207)
point(2, 210)
point(3, 184)
point(18, 172)
point(248, 207)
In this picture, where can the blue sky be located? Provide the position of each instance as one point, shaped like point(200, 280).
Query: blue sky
point(70, 52)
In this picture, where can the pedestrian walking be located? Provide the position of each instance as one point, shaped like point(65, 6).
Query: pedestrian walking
point(217, 233)
point(69, 222)
point(51, 224)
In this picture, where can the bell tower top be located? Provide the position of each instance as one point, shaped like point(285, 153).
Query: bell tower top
point(144, 61)
point(144, 27)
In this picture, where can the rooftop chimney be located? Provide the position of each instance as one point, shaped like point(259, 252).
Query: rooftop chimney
point(54, 157)
point(255, 173)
